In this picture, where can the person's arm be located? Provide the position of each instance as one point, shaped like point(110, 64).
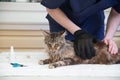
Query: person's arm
point(58, 15)
point(112, 24)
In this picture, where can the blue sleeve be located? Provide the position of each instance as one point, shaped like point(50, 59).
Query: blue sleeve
point(52, 4)
point(117, 7)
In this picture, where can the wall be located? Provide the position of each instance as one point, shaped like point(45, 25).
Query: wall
point(25, 40)
point(20, 26)
point(27, 16)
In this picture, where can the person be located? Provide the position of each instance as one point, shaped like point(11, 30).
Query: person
point(84, 22)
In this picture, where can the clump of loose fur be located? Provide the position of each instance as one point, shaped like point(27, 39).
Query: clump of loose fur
point(61, 52)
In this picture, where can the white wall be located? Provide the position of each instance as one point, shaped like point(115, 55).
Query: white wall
point(25, 16)
point(22, 16)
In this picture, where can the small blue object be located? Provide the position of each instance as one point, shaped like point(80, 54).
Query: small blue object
point(16, 65)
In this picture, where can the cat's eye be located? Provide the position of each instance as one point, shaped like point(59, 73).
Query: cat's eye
point(49, 45)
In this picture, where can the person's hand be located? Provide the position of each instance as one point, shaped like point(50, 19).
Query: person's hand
point(112, 47)
point(84, 44)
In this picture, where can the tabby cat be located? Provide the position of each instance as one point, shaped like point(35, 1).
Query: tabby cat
point(61, 52)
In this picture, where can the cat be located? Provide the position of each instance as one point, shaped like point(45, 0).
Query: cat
point(61, 52)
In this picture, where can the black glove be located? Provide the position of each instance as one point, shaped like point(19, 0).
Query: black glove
point(84, 44)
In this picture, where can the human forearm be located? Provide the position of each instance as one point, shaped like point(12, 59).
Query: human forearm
point(112, 23)
point(63, 20)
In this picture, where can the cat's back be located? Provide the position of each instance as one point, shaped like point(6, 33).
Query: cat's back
point(102, 47)
point(103, 56)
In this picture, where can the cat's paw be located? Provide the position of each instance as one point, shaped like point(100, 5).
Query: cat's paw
point(41, 62)
point(51, 66)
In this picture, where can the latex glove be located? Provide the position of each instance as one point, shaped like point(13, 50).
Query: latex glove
point(84, 44)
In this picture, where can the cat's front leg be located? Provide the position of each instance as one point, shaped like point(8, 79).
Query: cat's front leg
point(65, 62)
point(46, 61)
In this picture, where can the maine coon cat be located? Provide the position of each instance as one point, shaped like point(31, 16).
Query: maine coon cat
point(61, 52)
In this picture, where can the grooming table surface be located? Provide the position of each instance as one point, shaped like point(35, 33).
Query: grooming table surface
point(34, 71)
point(74, 70)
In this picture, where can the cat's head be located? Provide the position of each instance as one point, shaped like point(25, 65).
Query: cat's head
point(54, 40)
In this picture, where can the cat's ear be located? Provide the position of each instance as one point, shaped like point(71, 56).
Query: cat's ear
point(62, 33)
point(45, 33)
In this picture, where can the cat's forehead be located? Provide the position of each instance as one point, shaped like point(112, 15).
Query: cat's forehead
point(53, 38)
point(53, 35)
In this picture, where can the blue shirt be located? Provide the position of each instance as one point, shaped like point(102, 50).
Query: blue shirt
point(87, 14)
